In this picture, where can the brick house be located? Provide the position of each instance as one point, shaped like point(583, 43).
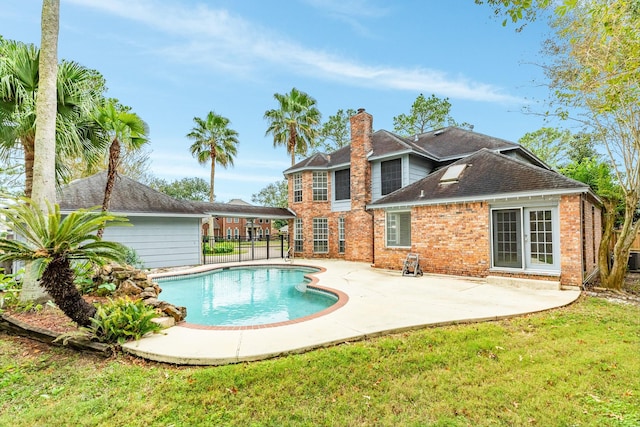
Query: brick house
point(467, 203)
point(239, 219)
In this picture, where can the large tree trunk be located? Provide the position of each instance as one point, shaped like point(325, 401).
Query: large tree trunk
point(40, 149)
point(613, 265)
point(44, 169)
point(28, 150)
point(57, 279)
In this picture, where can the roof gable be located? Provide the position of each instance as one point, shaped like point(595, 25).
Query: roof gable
point(487, 174)
point(454, 142)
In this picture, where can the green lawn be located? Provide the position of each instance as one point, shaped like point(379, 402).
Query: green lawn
point(575, 366)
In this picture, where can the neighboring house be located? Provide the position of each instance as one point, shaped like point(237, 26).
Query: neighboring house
point(467, 203)
point(165, 232)
point(239, 219)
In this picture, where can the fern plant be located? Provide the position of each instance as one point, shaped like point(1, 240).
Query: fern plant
point(121, 320)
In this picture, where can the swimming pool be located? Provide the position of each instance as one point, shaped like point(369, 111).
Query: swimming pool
point(246, 296)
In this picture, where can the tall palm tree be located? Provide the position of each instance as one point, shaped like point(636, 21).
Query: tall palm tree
point(122, 127)
point(51, 243)
point(44, 176)
point(78, 91)
point(294, 123)
point(214, 142)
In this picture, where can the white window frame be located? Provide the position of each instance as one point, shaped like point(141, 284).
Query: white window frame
point(297, 188)
point(524, 239)
point(341, 241)
point(298, 236)
point(320, 186)
point(320, 235)
point(395, 229)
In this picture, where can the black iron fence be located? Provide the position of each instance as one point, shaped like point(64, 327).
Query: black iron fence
point(243, 248)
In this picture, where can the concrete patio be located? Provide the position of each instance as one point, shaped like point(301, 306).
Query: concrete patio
point(380, 302)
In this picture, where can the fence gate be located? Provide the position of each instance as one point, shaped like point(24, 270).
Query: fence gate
point(242, 248)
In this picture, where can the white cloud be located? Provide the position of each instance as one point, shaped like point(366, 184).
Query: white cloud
point(220, 40)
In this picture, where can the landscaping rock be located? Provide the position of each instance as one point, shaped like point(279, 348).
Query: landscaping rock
point(135, 284)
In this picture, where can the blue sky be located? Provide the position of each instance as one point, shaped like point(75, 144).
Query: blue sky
point(174, 60)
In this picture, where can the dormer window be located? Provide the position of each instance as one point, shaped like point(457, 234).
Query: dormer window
point(391, 176)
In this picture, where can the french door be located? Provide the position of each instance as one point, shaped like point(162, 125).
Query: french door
point(525, 238)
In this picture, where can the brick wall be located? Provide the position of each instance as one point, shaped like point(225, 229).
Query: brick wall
point(450, 239)
point(455, 239)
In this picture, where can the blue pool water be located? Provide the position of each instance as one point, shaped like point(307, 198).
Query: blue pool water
point(245, 296)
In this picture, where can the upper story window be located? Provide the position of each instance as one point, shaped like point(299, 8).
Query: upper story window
point(391, 175)
point(319, 186)
point(297, 187)
point(342, 184)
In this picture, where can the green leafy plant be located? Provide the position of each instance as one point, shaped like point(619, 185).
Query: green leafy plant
point(219, 248)
point(10, 288)
point(132, 258)
point(122, 320)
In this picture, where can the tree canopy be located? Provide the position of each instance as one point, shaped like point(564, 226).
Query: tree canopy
point(426, 114)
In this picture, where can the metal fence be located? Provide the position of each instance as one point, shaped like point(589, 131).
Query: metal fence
point(243, 248)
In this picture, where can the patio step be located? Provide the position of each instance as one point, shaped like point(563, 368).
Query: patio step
point(552, 285)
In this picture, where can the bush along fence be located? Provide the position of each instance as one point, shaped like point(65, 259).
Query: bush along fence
point(243, 248)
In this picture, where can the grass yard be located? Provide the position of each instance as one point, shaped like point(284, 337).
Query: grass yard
point(575, 366)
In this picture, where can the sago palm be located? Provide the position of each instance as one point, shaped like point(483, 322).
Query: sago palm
point(52, 243)
point(294, 123)
point(214, 143)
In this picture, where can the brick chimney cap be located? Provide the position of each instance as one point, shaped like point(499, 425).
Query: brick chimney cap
point(360, 110)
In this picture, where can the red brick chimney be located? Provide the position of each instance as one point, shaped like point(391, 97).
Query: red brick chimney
point(359, 222)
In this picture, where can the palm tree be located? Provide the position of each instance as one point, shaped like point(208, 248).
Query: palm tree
point(213, 142)
point(52, 244)
point(78, 91)
point(295, 123)
point(124, 127)
point(44, 175)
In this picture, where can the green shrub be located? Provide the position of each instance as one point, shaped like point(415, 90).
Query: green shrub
point(223, 248)
point(219, 248)
point(10, 288)
point(122, 320)
point(131, 258)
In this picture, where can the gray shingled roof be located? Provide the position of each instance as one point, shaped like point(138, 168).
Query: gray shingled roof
point(487, 175)
point(453, 142)
point(243, 211)
point(131, 197)
point(442, 145)
point(128, 197)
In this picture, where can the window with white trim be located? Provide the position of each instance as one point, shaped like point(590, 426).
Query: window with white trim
point(341, 243)
point(525, 238)
point(320, 235)
point(236, 233)
point(297, 187)
point(319, 188)
point(229, 233)
point(398, 229)
point(297, 235)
